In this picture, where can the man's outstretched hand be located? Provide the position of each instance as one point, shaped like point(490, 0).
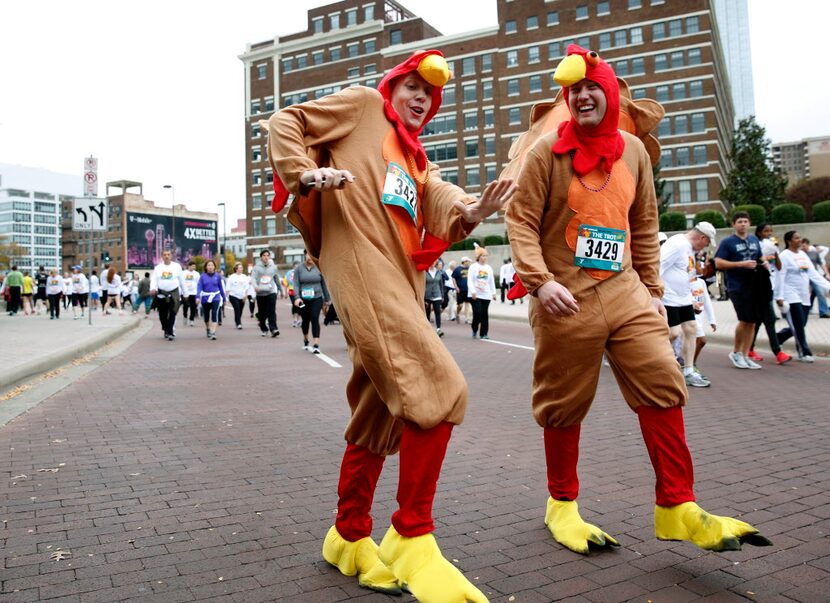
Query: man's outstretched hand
point(323, 179)
point(497, 193)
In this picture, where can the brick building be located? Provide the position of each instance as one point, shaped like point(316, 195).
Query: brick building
point(802, 159)
point(668, 51)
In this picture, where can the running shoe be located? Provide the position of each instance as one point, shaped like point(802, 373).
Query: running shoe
point(264, 333)
point(782, 357)
point(753, 355)
point(305, 344)
point(701, 375)
point(474, 335)
point(751, 364)
point(485, 337)
point(238, 327)
point(315, 349)
point(440, 332)
point(275, 333)
point(695, 380)
point(738, 360)
point(213, 335)
point(807, 359)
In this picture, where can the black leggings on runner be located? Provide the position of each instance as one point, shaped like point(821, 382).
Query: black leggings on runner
point(431, 305)
point(238, 306)
point(311, 315)
point(481, 316)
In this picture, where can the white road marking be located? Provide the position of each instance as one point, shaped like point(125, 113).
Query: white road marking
point(512, 345)
point(330, 361)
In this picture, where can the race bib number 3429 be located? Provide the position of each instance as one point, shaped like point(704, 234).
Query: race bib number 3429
point(399, 189)
point(600, 248)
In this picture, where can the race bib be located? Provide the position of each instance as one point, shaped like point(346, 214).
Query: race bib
point(399, 189)
point(265, 280)
point(599, 248)
point(307, 293)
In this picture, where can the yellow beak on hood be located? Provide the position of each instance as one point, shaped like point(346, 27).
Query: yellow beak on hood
point(570, 71)
point(434, 69)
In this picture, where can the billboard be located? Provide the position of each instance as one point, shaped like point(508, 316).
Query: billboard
point(150, 234)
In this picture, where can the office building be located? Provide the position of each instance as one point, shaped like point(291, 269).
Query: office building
point(732, 17)
point(668, 51)
point(802, 159)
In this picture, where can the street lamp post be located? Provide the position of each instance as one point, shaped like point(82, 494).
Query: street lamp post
point(173, 193)
point(223, 237)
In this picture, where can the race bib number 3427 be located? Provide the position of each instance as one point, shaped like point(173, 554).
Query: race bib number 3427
point(399, 189)
point(600, 248)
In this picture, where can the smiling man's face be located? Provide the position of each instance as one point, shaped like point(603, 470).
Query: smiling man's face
point(587, 103)
point(412, 100)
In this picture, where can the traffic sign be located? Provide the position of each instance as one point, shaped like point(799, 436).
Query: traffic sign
point(91, 177)
point(90, 214)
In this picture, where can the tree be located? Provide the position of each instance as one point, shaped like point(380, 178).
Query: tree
point(809, 192)
point(757, 214)
point(663, 197)
point(672, 221)
point(752, 180)
point(715, 218)
point(200, 262)
point(821, 211)
point(787, 213)
point(10, 253)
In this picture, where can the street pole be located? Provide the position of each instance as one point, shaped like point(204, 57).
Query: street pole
point(222, 254)
point(89, 278)
point(173, 194)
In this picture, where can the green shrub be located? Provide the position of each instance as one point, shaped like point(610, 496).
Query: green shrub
point(464, 245)
point(788, 213)
point(493, 240)
point(757, 214)
point(671, 221)
point(715, 218)
point(821, 212)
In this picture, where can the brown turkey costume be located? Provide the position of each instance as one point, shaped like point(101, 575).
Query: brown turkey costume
point(585, 218)
point(406, 392)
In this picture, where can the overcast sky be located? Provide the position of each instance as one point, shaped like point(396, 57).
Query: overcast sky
point(154, 88)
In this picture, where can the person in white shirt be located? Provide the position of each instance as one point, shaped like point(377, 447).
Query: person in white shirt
point(167, 284)
point(67, 288)
point(792, 292)
point(54, 290)
point(190, 279)
point(94, 290)
point(506, 273)
point(449, 283)
point(769, 252)
point(80, 291)
point(237, 289)
point(481, 288)
point(704, 315)
point(678, 271)
point(112, 282)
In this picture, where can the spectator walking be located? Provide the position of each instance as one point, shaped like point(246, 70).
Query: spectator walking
point(311, 295)
point(817, 257)
point(14, 286)
point(166, 284)
point(238, 285)
point(704, 315)
point(112, 285)
point(459, 276)
point(190, 280)
point(94, 290)
point(679, 271)
point(80, 292)
point(54, 291)
point(67, 290)
point(747, 277)
point(481, 287)
point(41, 301)
point(210, 294)
point(769, 252)
point(26, 294)
point(434, 293)
point(288, 286)
point(506, 273)
point(143, 296)
point(266, 282)
point(449, 283)
point(792, 292)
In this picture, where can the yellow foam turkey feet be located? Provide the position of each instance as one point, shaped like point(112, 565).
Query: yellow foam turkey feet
point(570, 530)
point(687, 521)
point(418, 563)
point(361, 558)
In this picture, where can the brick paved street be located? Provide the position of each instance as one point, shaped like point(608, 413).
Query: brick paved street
point(206, 470)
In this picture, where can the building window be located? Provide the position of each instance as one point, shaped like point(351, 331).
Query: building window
point(584, 41)
point(395, 37)
point(684, 191)
point(678, 91)
point(335, 53)
point(449, 95)
point(693, 57)
point(256, 202)
point(696, 88)
point(317, 24)
point(692, 25)
point(676, 59)
point(470, 120)
point(256, 178)
point(533, 54)
point(664, 129)
point(352, 49)
point(638, 66)
point(271, 225)
point(255, 107)
point(450, 176)
point(269, 176)
point(603, 8)
point(658, 31)
point(354, 72)
point(473, 176)
point(553, 18)
point(620, 37)
point(486, 62)
point(657, 2)
point(681, 124)
point(370, 69)
point(514, 116)
point(256, 154)
point(487, 90)
point(675, 27)
point(512, 58)
point(489, 118)
point(535, 83)
point(581, 12)
point(368, 46)
point(334, 21)
point(261, 71)
point(351, 17)
point(698, 122)
point(269, 104)
point(554, 51)
point(665, 158)
point(661, 62)
point(302, 61)
point(681, 156)
point(256, 224)
point(510, 26)
point(468, 66)
point(702, 189)
point(604, 40)
point(489, 145)
point(636, 35)
point(369, 12)
point(661, 95)
point(621, 67)
point(512, 87)
point(634, 4)
point(700, 155)
point(287, 64)
point(469, 93)
point(255, 132)
point(470, 148)
point(532, 22)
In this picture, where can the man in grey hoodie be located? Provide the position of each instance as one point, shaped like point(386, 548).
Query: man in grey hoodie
point(266, 281)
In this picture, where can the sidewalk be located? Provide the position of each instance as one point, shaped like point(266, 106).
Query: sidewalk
point(34, 344)
point(818, 330)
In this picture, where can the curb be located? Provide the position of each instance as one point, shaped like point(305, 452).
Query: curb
point(53, 361)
